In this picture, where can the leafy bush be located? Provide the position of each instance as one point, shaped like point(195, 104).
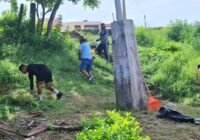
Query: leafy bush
point(175, 30)
point(144, 37)
point(196, 43)
point(5, 112)
point(181, 31)
point(8, 73)
point(171, 72)
point(113, 127)
point(8, 26)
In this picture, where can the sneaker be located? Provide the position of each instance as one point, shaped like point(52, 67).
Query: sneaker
point(59, 95)
point(40, 97)
point(91, 79)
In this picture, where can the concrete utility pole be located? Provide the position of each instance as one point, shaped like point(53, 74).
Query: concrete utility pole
point(118, 9)
point(129, 87)
point(124, 9)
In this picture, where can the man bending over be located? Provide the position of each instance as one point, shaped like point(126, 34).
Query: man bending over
point(43, 74)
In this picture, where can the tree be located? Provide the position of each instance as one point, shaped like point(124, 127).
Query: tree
point(32, 17)
point(52, 17)
point(13, 4)
point(129, 84)
point(87, 3)
point(46, 7)
point(52, 6)
point(20, 16)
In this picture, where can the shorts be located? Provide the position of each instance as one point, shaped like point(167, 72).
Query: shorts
point(44, 75)
point(86, 64)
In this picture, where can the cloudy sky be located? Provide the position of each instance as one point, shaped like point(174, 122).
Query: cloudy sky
point(158, 12)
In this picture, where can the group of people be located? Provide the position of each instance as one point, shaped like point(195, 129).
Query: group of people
point(43, 73)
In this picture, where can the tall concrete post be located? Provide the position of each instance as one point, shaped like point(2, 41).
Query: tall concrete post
point(129, 87)
point(118, 9)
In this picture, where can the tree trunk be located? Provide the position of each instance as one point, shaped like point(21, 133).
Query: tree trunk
point(42, 20)
point(32, 17)
point(129, 87)
point(52, 17)
point(38, 18)
point(20, 15)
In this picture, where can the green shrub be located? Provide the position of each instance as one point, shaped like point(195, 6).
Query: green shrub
point(113, 127)
point(8, 72)
point(144, 37)
point(8, 26)
point(179, 31)
point(176, 76)
point(196, 43)
point(5, 112)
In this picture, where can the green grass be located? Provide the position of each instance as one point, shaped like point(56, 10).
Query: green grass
point(82, 99)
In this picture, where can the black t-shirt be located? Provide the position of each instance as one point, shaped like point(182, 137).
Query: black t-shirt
point(41, 71)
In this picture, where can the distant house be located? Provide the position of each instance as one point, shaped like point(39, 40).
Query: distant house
point(83, 25)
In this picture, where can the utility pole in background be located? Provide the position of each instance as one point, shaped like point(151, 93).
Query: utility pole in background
point(113, 17)
point(145, 23)
point(129, 87)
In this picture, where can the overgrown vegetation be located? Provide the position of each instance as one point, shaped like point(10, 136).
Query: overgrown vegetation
point(169, 58)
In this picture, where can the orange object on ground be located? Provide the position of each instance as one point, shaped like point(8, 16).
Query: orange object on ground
point(153, 103)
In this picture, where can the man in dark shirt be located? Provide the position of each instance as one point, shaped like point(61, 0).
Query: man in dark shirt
point(43, 74)
point(103, 46)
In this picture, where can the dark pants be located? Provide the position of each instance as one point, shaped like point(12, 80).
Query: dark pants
point(102, 49)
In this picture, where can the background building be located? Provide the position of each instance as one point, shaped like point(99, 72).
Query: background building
point(83, 25)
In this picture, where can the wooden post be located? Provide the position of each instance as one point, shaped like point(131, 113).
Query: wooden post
point(129, 87)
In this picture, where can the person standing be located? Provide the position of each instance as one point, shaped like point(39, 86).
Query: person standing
point(103, 46)
point(86, 59)
point(43, 74)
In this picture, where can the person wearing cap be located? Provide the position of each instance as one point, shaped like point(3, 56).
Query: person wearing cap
point(42, 74)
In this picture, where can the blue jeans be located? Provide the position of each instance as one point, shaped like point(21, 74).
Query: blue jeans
point(86, 64)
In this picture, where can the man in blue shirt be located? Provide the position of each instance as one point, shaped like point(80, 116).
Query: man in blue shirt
point(86, 59)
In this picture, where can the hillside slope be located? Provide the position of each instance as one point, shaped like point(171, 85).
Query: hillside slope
point(80, 99)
